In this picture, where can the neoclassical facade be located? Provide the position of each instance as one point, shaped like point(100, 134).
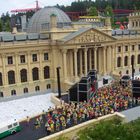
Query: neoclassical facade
point(28, 61)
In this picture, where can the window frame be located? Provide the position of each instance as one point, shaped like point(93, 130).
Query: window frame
point(22, 59)
point(9, 60)
point(34, 57)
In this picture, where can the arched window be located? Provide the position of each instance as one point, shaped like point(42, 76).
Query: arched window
point(1, 83)
point(46, 72)
point(11, 77)
point(23, 75)
point(25, 90)
point(13, 92)
point(132, 59)
point(37, 88)
point(119, 62)
point(139, 59)
point(1, 94)
point(35, 74)
point(48, 86)
point(126, 61)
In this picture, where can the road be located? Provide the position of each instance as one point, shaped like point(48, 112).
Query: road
point(28, 132)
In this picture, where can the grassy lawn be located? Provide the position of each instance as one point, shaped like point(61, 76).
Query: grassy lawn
point(110, 130)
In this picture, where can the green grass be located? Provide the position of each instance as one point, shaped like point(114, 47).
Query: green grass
point(110, 130)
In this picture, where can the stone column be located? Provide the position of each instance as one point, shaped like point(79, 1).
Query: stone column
point(85, 57)
point(71, 62)
point(129, 58)
point(136, 57)
point(75, 63)
point(65, 63)
point(90, 59)
point(113, 59)
point(41, 69)
point(29, 67)
point(95, 58)
point(17, 75)
point(100, 60)
point(104, 60)
point(5, 75)
point(122, 57)
point(109, 60)
point(81, 64)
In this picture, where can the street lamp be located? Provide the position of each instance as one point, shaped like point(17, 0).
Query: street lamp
point(58, 81)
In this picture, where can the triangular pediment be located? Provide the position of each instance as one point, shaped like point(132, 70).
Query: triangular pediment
point(87, 36)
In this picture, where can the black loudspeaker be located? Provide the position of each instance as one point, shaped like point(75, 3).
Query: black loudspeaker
point(105, 81)
point(136, 88)
point(84, 88)
point(73, 93)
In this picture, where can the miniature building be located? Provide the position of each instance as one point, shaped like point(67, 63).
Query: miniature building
point(28, 61)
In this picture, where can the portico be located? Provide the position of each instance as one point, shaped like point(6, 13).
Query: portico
point(78, 61)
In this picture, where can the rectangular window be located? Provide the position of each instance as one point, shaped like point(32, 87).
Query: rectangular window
point(15, 124)
point(119, 48)
point(34, 57)
point(10, 60)
point(126, 48)
point(9, 126)
point(22, 58)
point(46, 57)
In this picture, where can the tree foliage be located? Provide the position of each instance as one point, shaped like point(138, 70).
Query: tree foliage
point(93, 11)
point(109, 11)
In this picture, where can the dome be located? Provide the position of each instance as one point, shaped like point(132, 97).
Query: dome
point(41, 20)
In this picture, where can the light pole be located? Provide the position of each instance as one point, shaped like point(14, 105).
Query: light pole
point(132, 63)
point(58, 81)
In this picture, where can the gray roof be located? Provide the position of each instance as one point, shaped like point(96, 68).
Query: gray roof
point(119, 32)
point(7, 38)
point(41, 19)
point(22, 37)
point(72, 35)
point(33, 36)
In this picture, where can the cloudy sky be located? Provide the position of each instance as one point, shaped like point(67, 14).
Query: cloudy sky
point(8, 5)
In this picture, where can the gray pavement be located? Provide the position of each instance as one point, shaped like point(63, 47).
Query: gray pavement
point(131, 114)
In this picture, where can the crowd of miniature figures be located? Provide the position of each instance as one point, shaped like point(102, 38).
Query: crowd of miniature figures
point(106, 100)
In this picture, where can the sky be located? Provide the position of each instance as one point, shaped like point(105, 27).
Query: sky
point(8, 5)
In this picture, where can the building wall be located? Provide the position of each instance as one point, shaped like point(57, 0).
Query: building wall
point(27, 49)
point(75, 58)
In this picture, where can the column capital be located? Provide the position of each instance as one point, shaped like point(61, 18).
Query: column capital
point(75, 50)
point(95, 48)
point(64, 50)
point(85, 49)
point(112, 46)
point(104, 48)
point(3, 55)
point(16, 53)
point(28, 53)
